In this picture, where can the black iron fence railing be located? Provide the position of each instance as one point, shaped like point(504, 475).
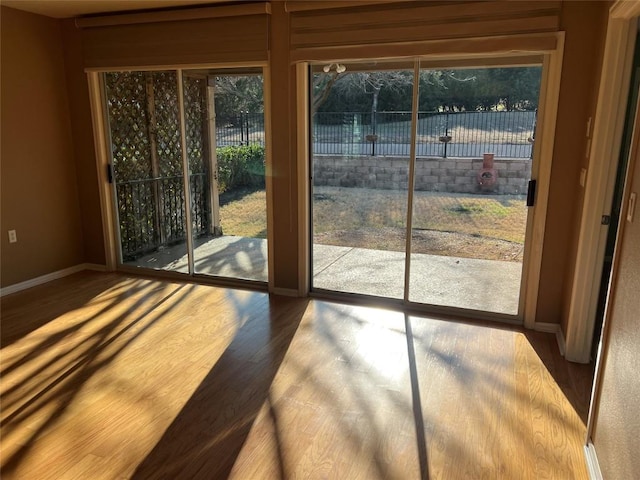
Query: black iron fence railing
point(151, 212)
point(439, 134)
point(243, 128)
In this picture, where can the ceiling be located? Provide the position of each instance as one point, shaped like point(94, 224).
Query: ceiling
point(76, 8)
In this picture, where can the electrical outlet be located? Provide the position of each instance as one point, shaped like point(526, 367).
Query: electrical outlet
point(13, 238)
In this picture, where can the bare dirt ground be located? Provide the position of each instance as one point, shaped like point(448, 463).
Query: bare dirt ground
point(426, 241)
point(458, 225)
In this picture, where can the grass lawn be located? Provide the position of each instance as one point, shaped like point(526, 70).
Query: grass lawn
point(465, 225)
point(501, 217)
point(243, 213)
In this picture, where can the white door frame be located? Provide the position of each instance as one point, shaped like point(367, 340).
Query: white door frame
point(603, 159)
point(101, 146)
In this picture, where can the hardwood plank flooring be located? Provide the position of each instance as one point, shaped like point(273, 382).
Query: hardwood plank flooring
point(109, 376)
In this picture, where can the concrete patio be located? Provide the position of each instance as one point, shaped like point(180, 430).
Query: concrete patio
point(485, 285)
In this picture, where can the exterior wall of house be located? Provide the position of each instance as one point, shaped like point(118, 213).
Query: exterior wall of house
point(38, 187)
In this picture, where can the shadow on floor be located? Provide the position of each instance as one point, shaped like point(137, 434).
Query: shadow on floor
point(86, 344)
point(205, 439)
point(66, 299)
point(574, 379)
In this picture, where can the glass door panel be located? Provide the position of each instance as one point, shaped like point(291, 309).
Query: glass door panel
point(474, 155)
point(224, 125)
point(361, 138)
point(144, 131)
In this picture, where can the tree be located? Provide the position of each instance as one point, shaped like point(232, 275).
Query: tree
point(387, 90)
point(372, 83)
point(324, 82)
point(509, 88)
point(238, 93)
point(446, 89)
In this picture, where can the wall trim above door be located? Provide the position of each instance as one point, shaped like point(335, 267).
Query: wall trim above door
point(455, 48)
point(197, 13)
point(214, 35)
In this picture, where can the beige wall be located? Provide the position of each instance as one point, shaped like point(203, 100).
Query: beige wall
point(585, 25)
point(39, 195)
point(617, 418)
point(283, 145)
point(84, 151)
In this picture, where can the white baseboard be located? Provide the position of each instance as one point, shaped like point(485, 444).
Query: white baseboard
point(552, 328)
point(546, 327)
point(593, 466)
point(286, 292)
point(561, 341)
point(17, 287)
point(95, 267)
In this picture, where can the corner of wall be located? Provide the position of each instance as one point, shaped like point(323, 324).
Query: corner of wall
point(82, 133)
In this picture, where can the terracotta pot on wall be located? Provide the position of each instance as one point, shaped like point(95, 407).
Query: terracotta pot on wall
point(487, 160)
point(488, 176)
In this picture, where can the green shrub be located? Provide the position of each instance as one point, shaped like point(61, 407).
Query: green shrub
point(240, 166)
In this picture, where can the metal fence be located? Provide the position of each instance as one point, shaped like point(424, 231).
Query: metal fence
point(455, 134)
point(440, 134)
point(152, 212)
point(242, 128)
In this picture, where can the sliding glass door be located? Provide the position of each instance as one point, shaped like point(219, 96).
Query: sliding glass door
point(453, 169)
point(188, 183)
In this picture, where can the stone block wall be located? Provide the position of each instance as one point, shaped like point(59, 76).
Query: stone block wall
point(454, 175)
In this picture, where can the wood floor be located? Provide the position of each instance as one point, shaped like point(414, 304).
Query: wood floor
point(108, 376)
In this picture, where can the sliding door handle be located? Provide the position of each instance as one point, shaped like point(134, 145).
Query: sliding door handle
point(531, 193)
point(109, 173)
